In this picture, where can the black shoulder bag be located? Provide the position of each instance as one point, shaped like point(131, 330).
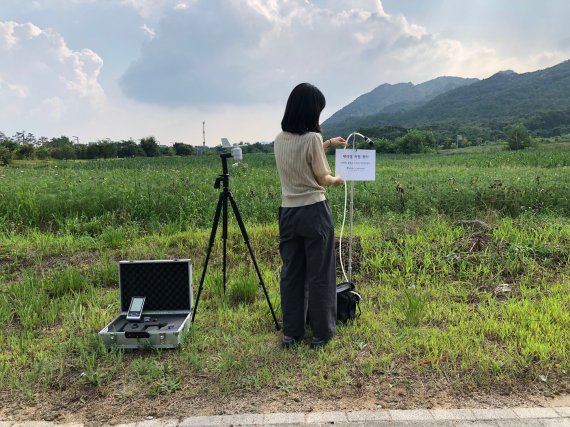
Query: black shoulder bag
point(347, 302)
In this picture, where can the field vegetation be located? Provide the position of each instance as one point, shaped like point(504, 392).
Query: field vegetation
point(461, 259)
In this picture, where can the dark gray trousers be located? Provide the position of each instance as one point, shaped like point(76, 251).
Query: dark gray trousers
point(308, 275)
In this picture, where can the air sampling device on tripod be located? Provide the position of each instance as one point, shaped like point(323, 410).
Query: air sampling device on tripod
point(223, 181)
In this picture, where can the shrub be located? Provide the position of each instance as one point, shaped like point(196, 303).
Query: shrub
point(6, 156)
point(518, 138)
point(416, 141)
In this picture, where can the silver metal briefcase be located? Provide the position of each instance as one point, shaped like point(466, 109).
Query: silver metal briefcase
point(166, 286)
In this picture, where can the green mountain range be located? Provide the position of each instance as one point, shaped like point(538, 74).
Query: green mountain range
point(540, 100)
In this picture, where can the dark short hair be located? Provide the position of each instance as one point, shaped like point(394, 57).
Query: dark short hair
point(303, 110)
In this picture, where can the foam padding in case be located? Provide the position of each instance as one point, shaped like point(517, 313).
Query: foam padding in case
point(165, 284)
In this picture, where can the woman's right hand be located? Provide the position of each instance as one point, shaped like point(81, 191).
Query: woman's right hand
point(339, 140)
point(329, 180)
point(338, 181)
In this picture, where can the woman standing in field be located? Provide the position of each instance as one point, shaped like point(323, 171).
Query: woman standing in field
point(306, 232)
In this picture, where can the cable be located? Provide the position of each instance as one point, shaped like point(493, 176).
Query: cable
point(341, 231)
point(353, 135)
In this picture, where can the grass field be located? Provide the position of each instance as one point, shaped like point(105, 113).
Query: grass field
point(445, 300)
point(85, 197)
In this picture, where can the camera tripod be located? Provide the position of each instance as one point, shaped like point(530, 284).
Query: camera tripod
point(222, 208)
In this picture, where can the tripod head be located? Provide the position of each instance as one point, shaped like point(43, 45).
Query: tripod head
point(225, 176)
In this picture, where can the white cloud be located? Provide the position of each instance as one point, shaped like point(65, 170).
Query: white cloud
point(8, 89)
point(153, 10)
point(148, 31)
point(49, 4)
point(231, 63)
point(229, 51)
point(55, 107)
point(181, 6)
point(40, 74)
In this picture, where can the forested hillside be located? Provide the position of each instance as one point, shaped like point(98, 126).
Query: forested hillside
point(388, 98)
point(539, 100)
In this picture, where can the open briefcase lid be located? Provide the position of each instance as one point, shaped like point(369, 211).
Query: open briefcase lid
point(166, 284)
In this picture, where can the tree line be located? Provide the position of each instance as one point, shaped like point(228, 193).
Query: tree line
point(399, 140)
point(387, 139)
point(25, 146)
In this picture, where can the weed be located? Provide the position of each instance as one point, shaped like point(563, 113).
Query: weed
point(244, 287)
point(92, 374)
point(413, 309)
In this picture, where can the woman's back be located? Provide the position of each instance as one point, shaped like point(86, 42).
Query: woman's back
point(300, 160)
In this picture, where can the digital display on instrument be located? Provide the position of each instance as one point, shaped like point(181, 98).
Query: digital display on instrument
point(135, 309)
point(137, 304)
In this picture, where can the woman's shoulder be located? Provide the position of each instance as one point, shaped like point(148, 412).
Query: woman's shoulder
point(284, 136)
point(309, 136)
point(314, 139)
point(314, 135)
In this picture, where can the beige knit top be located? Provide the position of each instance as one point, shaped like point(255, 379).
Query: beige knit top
point(300, 160)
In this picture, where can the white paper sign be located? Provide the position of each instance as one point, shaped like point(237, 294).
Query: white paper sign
point(355, 165)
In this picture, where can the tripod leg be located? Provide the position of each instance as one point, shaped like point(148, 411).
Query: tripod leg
point(224, 235)
point(208, 252)
point(246, 239)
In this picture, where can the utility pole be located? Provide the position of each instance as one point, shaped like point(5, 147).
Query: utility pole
point(203, 134)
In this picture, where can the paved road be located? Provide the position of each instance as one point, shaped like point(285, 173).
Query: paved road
point(513, 417)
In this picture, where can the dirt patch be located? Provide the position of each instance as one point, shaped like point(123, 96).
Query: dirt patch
point(408, 390)
point(39, 266)
point(355, 257)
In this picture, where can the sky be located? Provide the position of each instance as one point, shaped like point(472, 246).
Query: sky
point(122, 69)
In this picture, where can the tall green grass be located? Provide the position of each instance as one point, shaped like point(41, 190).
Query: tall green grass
point(88, 197)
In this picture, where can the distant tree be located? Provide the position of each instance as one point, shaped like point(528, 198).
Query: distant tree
point(6, 156)
point(447, 143)
point(62, 141)
point(24, 138)
point(264, 148)
point(518, 137)
point(150, 146)
point(80, 151)
point(18, 137)
point(31, 139)
point(92, 151)
point(181, 149)
point(65, 152)
point(416, 141)
point(130, 149)
point(24, 151)
point(107, 149)
point(42, 153)
point(164, 150)
point(383, 145)
point(9, 144)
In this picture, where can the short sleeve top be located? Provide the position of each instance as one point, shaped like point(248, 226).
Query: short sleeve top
point(300, 160)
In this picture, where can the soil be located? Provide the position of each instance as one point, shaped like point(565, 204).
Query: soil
point(407, 390)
